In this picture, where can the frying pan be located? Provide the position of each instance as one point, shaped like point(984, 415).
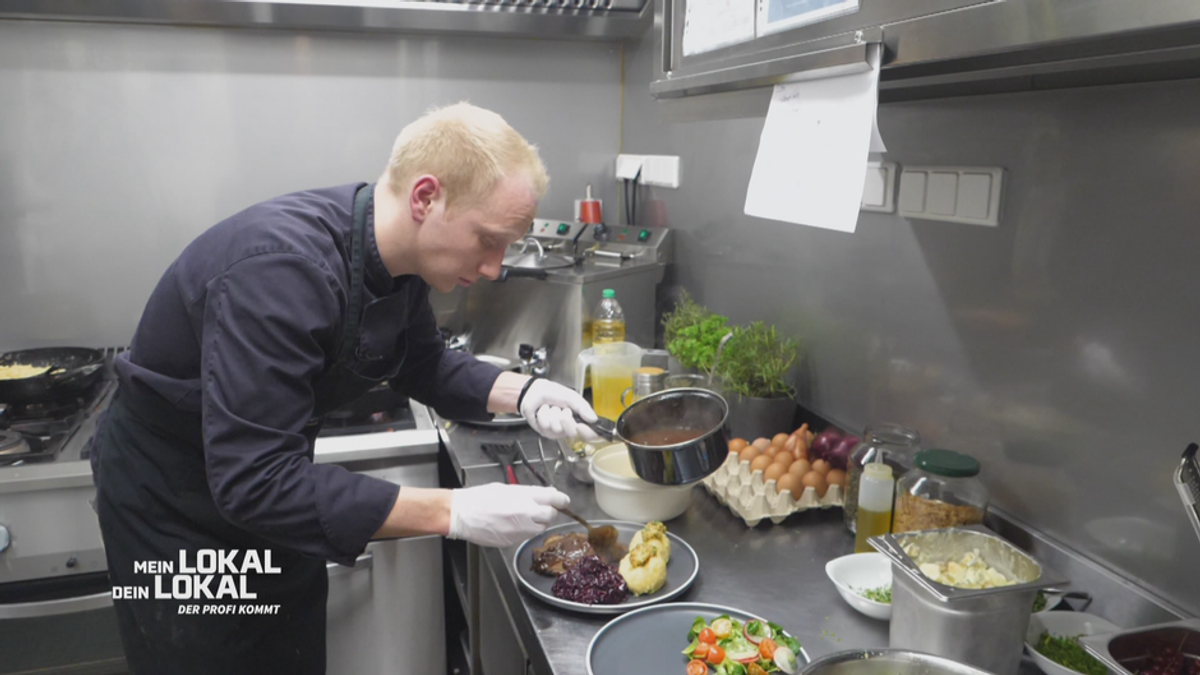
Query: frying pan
point(72, 369)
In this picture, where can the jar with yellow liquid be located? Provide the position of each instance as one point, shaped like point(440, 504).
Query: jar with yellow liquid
point(875, 492)
point(611, 367)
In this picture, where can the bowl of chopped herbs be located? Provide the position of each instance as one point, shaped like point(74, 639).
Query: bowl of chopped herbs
point(1053, 643)
point(864, 580)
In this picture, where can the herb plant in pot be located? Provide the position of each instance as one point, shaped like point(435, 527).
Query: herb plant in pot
point(692, 334)
point(754, 369)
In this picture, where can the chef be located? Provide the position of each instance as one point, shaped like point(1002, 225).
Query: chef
point(265, 323)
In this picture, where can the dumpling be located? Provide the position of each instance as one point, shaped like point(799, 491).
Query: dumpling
point(654, 533)
point(643, 571)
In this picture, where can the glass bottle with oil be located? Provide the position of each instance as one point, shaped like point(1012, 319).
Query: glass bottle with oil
point(875, 497)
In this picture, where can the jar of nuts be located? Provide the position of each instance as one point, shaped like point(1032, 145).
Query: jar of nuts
point(943, 490)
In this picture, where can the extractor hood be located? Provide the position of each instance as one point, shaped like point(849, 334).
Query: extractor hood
point(553, 19)
point(950, 47)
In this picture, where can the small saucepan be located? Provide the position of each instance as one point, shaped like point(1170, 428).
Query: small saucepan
point(675, 437)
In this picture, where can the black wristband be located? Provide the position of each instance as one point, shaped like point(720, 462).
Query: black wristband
point(525, 388)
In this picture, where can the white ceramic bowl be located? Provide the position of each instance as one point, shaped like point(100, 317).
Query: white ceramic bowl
point(624, 496)
point(1052, 600)
point(860, 572)
point(1062, 624)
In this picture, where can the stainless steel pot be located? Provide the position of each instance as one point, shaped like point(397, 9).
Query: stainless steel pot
point(674, 409)
point(887, 662)
point(983, 627)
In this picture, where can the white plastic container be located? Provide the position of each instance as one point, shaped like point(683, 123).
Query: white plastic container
point(624, 496)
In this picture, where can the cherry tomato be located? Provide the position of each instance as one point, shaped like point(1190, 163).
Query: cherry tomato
point(697, 667)
point(701, 650)
point(767, 648)
point(707, 635)
point(722, 628)
point(715, 655)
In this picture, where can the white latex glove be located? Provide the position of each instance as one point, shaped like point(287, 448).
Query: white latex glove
point(496, 514)
point(548, 407)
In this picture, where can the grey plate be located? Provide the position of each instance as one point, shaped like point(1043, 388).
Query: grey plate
point(652, 640)
point(681, 570)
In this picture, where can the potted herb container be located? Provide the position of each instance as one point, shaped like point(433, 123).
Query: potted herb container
point(754, 369)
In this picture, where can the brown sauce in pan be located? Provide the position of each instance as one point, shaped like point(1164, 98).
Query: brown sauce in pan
point(665, 436)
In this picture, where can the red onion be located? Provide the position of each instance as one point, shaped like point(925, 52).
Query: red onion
point(839, 456)
point(823, 443)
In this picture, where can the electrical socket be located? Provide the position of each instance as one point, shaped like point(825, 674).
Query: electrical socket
point(657, 170)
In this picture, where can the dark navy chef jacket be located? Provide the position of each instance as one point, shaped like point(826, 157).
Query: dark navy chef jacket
point(241, 325)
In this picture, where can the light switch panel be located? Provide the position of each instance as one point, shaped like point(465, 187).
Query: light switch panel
point(879, 188)
point(912, 191)
point(952, 193)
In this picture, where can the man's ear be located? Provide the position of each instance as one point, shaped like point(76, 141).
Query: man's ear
point(425, 191)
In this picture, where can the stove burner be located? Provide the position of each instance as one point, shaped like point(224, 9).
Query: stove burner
point(12, 443)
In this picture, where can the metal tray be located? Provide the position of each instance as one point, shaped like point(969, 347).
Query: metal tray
point(681, 570)
point(652, 640)
point(1125, 651)
point(950, 543)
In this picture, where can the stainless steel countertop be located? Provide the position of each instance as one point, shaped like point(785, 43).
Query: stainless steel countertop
point(69, 471)
point(775, 571)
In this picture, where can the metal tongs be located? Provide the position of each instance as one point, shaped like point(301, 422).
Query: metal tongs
point(1187, 481)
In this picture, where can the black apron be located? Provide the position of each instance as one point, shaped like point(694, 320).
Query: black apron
point(153, 501)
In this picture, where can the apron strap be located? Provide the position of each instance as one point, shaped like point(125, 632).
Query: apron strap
point(348, 344)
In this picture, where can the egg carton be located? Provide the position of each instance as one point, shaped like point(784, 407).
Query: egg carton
point(753, 499)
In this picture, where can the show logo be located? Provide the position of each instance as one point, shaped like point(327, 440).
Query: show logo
point(206, 574)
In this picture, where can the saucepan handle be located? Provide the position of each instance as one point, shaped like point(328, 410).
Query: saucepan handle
point(604, 428)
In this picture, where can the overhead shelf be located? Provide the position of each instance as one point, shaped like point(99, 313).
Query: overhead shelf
point(951, 47)
point(556, 19)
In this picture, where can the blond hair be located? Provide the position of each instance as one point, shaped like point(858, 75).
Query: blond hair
point(469, 149)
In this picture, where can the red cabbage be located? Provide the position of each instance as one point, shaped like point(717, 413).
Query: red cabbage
point(592, 582)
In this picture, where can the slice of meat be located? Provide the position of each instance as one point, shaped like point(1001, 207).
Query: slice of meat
point(560, 552)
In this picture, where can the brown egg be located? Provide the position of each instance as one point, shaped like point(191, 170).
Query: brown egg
point(813, 479)
point(822, 467)
point(760, 463)
point(774, 472)
point(762, 443)
point(771, 451)
point(737, 445)
point(749, 453)
point(790, 483)
point(784, 459)
point(799, 468)
point(836, 477)
point(779, 440)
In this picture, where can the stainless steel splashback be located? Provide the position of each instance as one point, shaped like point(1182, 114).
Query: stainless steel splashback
point(119, 144)
point(1058, 348)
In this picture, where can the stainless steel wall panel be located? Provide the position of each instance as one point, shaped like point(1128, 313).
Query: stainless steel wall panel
point(1059, 348)
point(119, 144)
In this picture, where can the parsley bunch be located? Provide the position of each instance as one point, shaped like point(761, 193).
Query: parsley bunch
point(691, 333)
point(1066, 652)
